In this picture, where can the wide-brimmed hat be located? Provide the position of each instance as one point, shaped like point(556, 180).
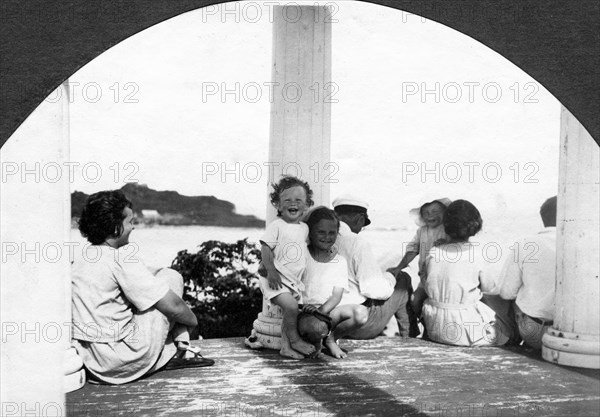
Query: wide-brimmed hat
point(416, 212)
point(347, 203)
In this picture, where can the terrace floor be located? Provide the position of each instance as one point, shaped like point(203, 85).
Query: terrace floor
point(381, 377)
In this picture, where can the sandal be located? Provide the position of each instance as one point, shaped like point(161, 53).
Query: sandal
point(187, 356)
point(180, 363)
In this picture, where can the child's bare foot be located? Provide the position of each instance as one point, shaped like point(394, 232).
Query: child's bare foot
point(334, 349)
point(302, 346)
point(288, 352)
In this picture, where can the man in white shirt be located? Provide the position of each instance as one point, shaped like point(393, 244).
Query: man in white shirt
point(529, 278)
point(383, 294)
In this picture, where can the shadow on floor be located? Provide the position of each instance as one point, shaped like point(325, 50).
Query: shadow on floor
point(342, 393)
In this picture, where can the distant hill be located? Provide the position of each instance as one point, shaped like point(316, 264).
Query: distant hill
point(176, 209)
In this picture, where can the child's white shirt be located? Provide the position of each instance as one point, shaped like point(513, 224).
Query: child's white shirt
point(288, 241)
point(321, 277)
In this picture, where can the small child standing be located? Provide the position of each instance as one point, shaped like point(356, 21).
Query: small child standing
point(326, 276)
point(431, 232)
point(284, 255)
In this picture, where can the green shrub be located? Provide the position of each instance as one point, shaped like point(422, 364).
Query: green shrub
point(221, 286)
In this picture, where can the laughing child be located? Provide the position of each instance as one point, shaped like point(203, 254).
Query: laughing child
point(284, 254)
point(430, 217)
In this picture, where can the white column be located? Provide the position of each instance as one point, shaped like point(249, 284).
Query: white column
point(74, 374)
point(35, 264)
point(300, 135)
point(574, 339)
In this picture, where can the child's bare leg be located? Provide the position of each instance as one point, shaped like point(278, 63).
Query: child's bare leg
point(338, 314)
point(348, 316)
point(289, 325)
point(286, 349)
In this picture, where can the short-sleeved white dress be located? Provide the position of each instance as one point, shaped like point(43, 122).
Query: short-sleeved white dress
point(288, 241)
point(117, 332)
point(453, 313)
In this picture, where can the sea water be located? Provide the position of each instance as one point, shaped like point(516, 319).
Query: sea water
point(158, 246)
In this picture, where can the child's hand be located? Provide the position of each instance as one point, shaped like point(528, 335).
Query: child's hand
point(274, 281)
point(309, 308)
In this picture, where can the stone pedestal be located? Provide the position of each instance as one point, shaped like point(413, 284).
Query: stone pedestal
point(267, 327)
point(574, 339)
point(300, 132)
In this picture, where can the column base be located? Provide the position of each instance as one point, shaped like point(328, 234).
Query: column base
point(74, 381)
point(266, 332)
point(571, 349)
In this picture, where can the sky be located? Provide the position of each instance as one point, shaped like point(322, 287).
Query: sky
point(421, 112)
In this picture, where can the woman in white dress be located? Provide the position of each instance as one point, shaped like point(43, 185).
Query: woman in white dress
point(128, 321)
point(456, 278)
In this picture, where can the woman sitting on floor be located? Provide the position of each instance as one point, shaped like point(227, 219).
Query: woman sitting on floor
point(456, 277)
point(127, 321)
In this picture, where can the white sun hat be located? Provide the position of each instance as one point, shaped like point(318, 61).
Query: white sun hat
point(416, 212)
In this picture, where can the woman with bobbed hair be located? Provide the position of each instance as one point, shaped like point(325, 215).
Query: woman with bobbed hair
point(128, 320)
point(456, 276)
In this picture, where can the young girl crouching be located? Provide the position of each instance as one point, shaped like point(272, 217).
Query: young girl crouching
point(326, 276)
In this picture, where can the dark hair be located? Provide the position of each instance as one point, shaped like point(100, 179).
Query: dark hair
point(424, 206)
point(288, 182)
point(102, 216)
point(321, 213)
point(349, 210)
point(548, 212)
point(462, 220)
